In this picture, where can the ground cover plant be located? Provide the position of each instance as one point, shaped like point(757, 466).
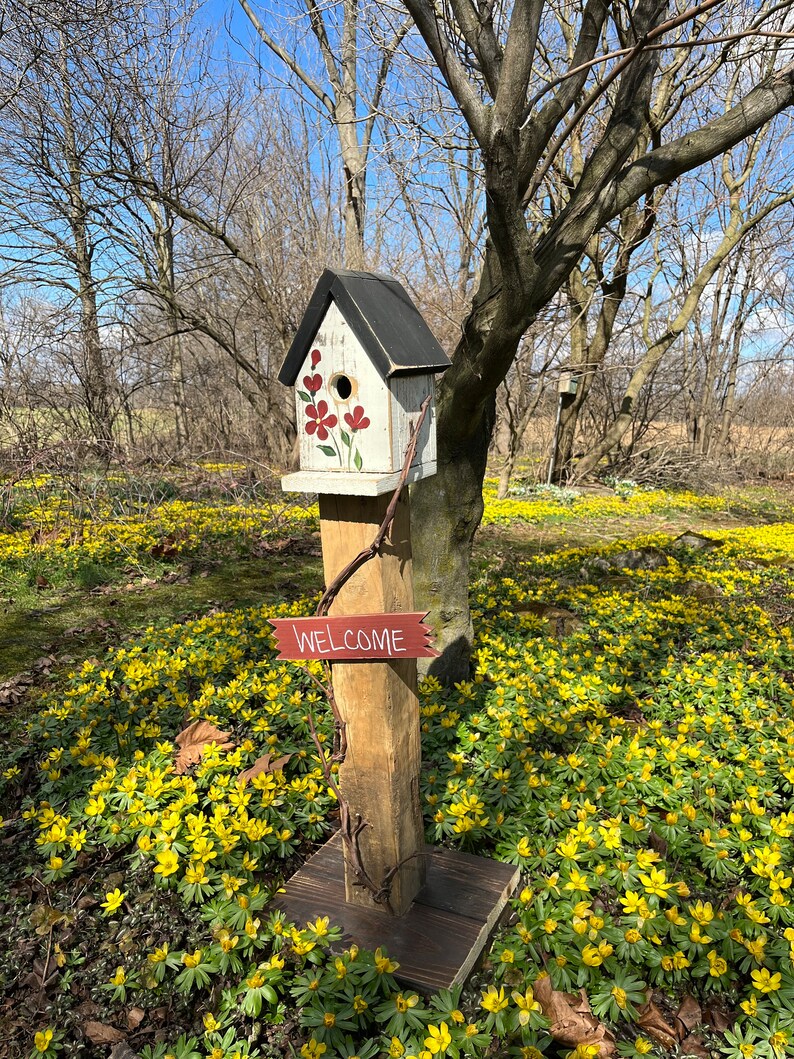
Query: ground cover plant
point(627, 739)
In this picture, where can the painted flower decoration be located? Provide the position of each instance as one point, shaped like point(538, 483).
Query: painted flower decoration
point(312, 382)
point(316, 358)
point(357, 420)
point(319, 420)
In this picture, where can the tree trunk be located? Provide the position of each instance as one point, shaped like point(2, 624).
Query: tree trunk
point(95, 380)
point(445, 513)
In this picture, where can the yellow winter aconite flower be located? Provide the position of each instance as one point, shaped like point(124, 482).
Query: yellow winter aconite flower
point(438, 1039)
point(383, 964)
point(655, 882)
point(765, 981)
point(526, 1004)
point(493, 999)
point(113, 900)
point(313, 1049)
point(167, 863)
point(717, 964)
point(42, 1040)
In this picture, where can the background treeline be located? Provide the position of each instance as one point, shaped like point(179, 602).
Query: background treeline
point(171, 187)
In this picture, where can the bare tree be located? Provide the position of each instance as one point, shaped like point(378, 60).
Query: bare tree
point(749, 203)
point(337, 89)
point(51, 208)
point(521, 97)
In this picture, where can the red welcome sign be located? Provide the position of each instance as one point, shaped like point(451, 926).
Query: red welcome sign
point(355, 637)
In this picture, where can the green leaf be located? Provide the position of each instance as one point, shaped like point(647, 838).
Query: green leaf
point(358, 461)
point(304, 396)
point(345, 437)
point(327, 450)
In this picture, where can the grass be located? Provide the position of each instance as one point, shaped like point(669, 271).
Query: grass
point(81, 623)
point(635, 762)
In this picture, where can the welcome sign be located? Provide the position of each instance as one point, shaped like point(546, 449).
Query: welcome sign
point(354, 637)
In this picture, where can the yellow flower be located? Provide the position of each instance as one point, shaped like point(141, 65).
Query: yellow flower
point(494, 1000)
point(320, 926)
point(192, 959)
point(383, 965)
point(159, 955)
point(577, 881)
point(655, 882)
point(438, 1039)
point(167, 863)
point(585, 1051)
point(779, 1040)
point(42, 1040)
point(717, 965)
point(119, 978)
point(313, 1049)
point(113, 900)
point(750, 1007)
point(396, 1048)
point(211, 1024)
point(620, 996)
point(766, 982)
point(526, 1004)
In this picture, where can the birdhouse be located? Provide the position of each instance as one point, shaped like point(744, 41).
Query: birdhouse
point(362, 363)
point(568, 383)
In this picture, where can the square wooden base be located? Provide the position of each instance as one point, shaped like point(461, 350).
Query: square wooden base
point(439, 939)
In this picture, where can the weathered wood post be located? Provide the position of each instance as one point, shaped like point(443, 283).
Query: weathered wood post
point(379, 777)
point(362, 365)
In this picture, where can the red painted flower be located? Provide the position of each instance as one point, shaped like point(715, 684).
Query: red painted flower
point(319, 420)
point(357, 421)
point(312, 382)
point(316, 358)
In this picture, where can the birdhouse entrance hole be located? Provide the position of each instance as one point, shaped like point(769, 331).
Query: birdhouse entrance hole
point(341, 386)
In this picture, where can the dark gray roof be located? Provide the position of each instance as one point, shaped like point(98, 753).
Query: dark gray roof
point(382, 317)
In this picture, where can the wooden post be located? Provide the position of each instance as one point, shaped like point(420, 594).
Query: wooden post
point(379, 778)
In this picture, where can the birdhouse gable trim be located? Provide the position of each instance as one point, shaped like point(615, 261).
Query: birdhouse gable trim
point(382, 317)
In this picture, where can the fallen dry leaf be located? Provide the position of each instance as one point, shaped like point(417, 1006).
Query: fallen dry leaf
point(651, 1020)
point(100, 1033)
point(264, 764)
point(717, 1019)
point(135, 1017)
point(122, 1051)
point(193, 740)
point(572, 1022)
point(689, 1015)
point(693, 1045)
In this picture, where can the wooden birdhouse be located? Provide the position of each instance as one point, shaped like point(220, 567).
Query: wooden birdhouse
point(362, 362)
